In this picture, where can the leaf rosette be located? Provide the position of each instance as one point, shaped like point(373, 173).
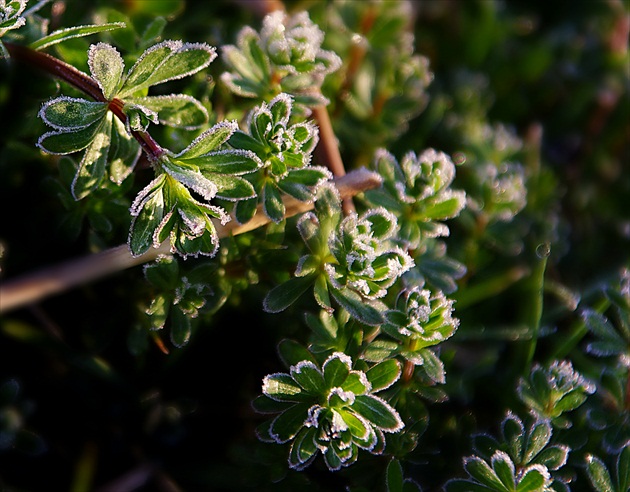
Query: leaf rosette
point(351, 260)
point(168, 206)
point(285, 57)
point(285, 150)
point(418, 191)
point(332, 410)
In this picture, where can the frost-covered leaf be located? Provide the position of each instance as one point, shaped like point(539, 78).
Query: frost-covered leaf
point(209, 140)
point(176, 110)
point(180, 327)
point(106, 66)
point(598, 474)
point(378, 412)
point(64, 142)
point(383, 375)
point(282, 296)
point(394, 476)
point(73, 32)
point(534, 478)
point(93, 165)
point(282, 387)
point(71, 114)
point(355, 305)
point(168, 60)
point(286, 425)
point(148, 212)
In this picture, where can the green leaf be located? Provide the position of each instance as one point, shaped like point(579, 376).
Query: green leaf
point(124, 152)
point(232, 161)
point(286, 425)
point(570, 401)
point(433, 366)
point(152, 31)
point(539, 437)
point(303, 449)
point(336, 369)
point(176, 110)
point(504, 469)
point(282, 296)
point(209, 140)
point(534, 479)
point(106, 66)
point(380, 350)
point(73, 32)
point(292, 352)
point(264, 404)
point(383, 375)
point(513, 432)
point(245, 210)
point(479, 470)
point(71, 114)
point(93, 165)
point(61, 142)
point(394, 476)
point(148, 212)
point(168, 60)
point(163, 273)
point(180, 328)
point(272, 202)
point(553, 457)
point(233, 187)
point(357, 307)
point(378, 412)
point(282, 387)
point(241, 140)
point(598, 474)
point(308, 375)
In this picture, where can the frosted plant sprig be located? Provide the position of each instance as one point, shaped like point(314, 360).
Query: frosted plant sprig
point(176, 300)
point(551, 391)
point(600, 476)
point(285, 152)
point(110, 142)
point(419, 320)
point(350, 260)
point(418, 191)
point(330, 410)
point(166, 208)
point(525, 446)
point(501, 475)
point(286, 56)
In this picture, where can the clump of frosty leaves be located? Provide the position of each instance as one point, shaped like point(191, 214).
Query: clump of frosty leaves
point(553, 390)
point(169, 206)
point(522, 460)
point(417, 190)
point(330, 410)
point(106, 141)
point(351, 260)
point(418, 321)
point(285, 152)
point(286, 56)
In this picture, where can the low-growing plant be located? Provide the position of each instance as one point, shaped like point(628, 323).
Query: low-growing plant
point(340, 245)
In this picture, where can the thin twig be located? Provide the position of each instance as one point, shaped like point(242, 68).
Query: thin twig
point(327, 150)
point(56, 279)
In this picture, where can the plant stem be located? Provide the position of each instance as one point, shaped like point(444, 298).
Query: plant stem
point(38, 285)
point(328, 149)
point(57, 68)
